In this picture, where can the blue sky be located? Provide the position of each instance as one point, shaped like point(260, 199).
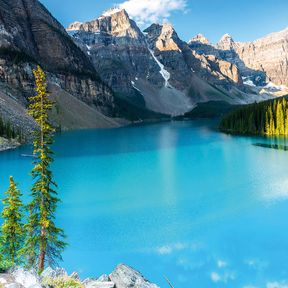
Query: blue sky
point(245, 20)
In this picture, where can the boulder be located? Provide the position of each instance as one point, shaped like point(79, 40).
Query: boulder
point(27, 278)
point(104, 278)
point(75, 276)
point(124, 276)
point(102, 282)
point(13, 285)
point(51, 273)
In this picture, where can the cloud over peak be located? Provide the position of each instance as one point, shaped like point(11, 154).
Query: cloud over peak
point(146, 12)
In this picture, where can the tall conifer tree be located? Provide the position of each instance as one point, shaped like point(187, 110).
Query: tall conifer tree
point(44, 243)
point(12, 229)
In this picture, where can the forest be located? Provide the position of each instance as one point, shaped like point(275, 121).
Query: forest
point(8, 131)
point(266, 118)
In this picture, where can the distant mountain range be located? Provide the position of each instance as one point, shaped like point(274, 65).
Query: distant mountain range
point(107, 72)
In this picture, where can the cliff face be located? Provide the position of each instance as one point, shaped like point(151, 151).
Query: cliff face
point(268, 54)
point(118, 51)
point(137, 73)
point(261, 61)
point(183, 62)
point(30, 36)
point(155, 69)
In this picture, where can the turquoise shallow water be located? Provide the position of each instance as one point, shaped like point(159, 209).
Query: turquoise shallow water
point(176, 199)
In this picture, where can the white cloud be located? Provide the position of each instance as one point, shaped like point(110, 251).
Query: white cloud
point(164, 250)
point(168, 249)
point(146, 12)
point(257, 264)
point(215, 277)
point(223, 277)
point(221, 264)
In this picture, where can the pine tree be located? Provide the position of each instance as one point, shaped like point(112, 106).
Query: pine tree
point(267, 124)
point(271, 119)
point(44, 243)
point(279, 119)
point(12, 229)
point(286, 121)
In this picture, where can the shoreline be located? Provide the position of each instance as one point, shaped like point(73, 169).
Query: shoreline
point(122, 276)
point(6, 144)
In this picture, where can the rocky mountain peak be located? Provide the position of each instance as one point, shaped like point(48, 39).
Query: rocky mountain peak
point(115, 22)
point(199, 38)
point(75, 26)
point(164, 36)
point(226, 42)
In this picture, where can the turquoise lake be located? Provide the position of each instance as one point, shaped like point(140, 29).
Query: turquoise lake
point(177, 199)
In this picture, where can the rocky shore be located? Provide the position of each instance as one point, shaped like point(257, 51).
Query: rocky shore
point(8, 144)
point(123, 276)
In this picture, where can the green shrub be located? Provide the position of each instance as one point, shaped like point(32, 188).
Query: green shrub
point(5, 266)
point(62, 282)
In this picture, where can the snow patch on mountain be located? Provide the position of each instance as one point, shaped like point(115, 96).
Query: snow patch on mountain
point(248, 81)
point(272, 86)
point(165, 74)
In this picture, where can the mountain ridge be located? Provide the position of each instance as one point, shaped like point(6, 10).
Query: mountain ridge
point(119, 71)
point(167, 80)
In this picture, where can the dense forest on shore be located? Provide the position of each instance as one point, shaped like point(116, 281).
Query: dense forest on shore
point(265, 118)
point(10, 132)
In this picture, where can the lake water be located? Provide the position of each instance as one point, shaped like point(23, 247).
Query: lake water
point(177, 199)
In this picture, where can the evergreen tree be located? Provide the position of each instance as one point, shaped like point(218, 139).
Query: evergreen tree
point(280, 119)
point(271, 119)
point(44, 243)
point(12, 229)
point(286, 121)
point(267, 124)
point(265, 118)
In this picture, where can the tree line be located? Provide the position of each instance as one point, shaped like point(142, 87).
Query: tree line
point(8, 131)
point(266, 118)
point(29, 235)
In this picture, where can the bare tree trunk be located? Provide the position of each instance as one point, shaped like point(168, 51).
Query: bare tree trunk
point(42, 254)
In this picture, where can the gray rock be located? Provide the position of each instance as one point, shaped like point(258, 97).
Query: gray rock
point(26, 278)
point(40, 36)
point(60, 272)
point(99, 284)
point(13, 285)
point(104, 278)
point(48, 273)
point(75, 276)
point(124, 276)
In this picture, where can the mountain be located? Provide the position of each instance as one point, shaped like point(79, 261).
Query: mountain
point(259, 62)
point(30, 35)
point(155, 69)
point(107, 72)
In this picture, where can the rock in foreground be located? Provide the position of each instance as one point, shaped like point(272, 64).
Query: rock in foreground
point(122, 277)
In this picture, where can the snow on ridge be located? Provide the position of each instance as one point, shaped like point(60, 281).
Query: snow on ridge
point(72, 33)
point(273, 86)
point(134, 86)
point(248, 82)
point(165, 74)
point(3, 31)
point(270, 86)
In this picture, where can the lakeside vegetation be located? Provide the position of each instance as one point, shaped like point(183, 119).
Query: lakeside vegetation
point(8, 131)
point(29, 235)
point(266, 118)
